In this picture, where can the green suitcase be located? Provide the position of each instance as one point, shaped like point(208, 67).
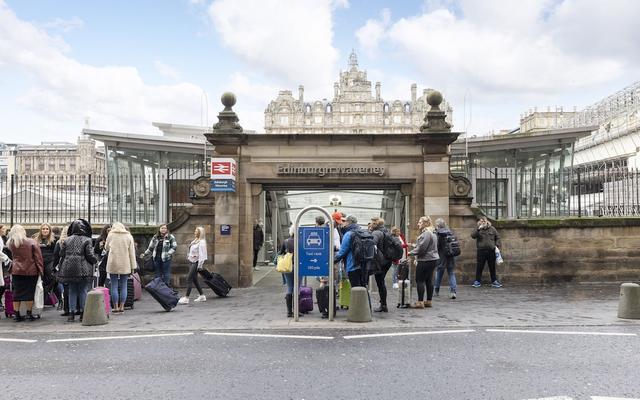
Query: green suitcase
point(344, 293)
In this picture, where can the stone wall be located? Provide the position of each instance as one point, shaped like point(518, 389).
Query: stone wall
point(562, 250)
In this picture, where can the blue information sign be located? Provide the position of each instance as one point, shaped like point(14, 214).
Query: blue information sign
point(313, 250)
point(223, 185)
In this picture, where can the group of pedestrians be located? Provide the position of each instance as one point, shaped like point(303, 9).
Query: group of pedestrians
point(435, 250)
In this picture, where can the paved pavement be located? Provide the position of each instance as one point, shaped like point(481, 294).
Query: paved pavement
point(262, 307)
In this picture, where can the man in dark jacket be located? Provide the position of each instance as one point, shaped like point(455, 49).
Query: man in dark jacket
point(258, 240)
point(378, 230)
point(445, 262)
point(487, 240)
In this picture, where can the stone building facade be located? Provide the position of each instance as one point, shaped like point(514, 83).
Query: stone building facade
point(61, 165)
point(353, 109)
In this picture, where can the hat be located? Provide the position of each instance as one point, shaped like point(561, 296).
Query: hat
point(337, 217)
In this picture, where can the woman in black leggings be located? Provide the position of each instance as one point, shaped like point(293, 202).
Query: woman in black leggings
point(426, 253)
point(196, 257)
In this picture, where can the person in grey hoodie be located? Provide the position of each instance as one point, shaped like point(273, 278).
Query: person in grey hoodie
point(446, 262)
point(426, 254)
point(487, 239)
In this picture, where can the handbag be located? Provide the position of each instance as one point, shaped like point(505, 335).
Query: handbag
point(499, 259)
point(285, 263)
point(38, 297)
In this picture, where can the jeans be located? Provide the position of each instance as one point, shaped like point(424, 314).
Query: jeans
point(162, 270)
point(192, 278)
point(449, 264)
point(118, 286)
point(424, 274)
point(288, 277)
point(394, 273)
point(488, 256)
point(78, 295)
point(382, 286)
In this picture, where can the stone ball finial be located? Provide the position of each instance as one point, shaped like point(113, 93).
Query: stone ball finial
point(228, 100)
point(434, 98)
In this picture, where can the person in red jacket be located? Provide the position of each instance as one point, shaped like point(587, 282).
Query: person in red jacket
point(26, 268)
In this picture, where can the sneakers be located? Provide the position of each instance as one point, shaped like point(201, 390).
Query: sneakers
point(382, 308)
point(453, 295)
point(183, 300)
point(476, 284)
point(436, 293)
point(496, 284)
point(200, 298)
point(395, 285)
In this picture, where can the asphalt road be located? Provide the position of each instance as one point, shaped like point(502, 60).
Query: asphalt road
point(477, 364)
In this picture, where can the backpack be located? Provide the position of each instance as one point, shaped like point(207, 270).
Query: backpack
point(451, 246)
point(362, 247)
point(392, 247)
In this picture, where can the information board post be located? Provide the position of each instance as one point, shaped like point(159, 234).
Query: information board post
point(313, 256)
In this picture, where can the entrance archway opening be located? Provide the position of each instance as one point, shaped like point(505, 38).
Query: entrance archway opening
point(279, 205)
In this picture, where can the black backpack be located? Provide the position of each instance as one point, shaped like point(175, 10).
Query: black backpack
point(362, 247)
point(392, 247)
point(451, 246)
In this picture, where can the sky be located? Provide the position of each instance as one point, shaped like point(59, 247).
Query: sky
point(121, 65)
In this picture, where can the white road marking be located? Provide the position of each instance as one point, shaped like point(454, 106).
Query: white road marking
point(374, 335)
point(563, 332)
point(86, 339)
point(17, 340)
point(259, 335)
point(554, 398)
point(613, 398)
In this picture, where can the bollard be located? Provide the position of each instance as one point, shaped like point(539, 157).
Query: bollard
point(94, 310)
point(359, 309)
point(629, 303)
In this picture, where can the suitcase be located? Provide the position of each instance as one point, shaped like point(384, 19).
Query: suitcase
point(322, 294)
point(8, 298)
point(137, 286)
point(162, 293)
point(128, 302)
point(107, 298)
point(216, 282)
point(306, 299)
point(404, 293)
point(50, 299)
point(344, 293)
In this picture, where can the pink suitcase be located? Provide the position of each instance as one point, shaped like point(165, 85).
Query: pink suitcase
point(107, 298)
point(137, 286)
point(8, 298)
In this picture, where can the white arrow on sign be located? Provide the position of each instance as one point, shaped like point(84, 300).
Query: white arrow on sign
point(314, 260)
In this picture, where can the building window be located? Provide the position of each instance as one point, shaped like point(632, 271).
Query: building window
point(52, 163)
point(385, 108)
point(40, 164)
point(62, 164)
point(27, 165)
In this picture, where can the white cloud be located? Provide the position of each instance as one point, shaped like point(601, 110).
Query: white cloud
point(64, 25)
point(167, 70)
point(372, 32)
point(289, 41)
point(505, 51)
point(63, 89)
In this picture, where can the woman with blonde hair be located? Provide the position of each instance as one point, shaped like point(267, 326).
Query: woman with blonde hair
point(26, 268)
point(46, 239)
point(197, 255)
point(120, 264)
point(426, 254)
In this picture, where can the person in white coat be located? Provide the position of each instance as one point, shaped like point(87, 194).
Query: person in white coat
point(196, 257)
point(120, 264)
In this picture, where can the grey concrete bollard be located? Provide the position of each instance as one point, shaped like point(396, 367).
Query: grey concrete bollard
point(629, 303)
point(359, 309)
point(94, 312)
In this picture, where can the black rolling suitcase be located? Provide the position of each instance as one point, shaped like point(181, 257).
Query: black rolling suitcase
point(322, 294)
point(216, 282)
point(162, 293)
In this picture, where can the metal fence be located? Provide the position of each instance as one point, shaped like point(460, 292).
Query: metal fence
point(150, 197)
point(505, 193)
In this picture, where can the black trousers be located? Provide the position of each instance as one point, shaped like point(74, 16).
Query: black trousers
point(255, 257)
point(380, 281)
point(357, 278)
point(192, 278)
point(424, 276)
point(489, 257)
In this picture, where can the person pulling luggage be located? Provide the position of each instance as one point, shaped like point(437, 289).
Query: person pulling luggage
point(196, 257)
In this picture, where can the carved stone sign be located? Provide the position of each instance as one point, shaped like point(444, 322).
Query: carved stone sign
point(321, 170)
